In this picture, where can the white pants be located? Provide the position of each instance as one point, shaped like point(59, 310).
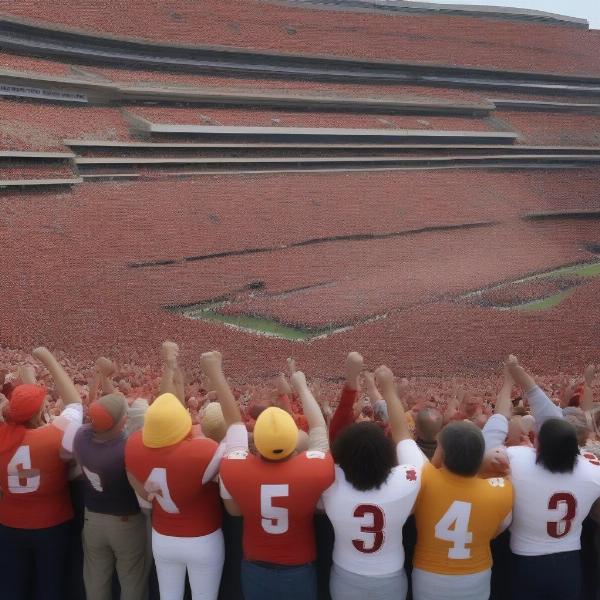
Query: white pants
point(431, 586)
point(202, 557)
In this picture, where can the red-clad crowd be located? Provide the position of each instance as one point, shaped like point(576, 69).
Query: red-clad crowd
point(135, 478)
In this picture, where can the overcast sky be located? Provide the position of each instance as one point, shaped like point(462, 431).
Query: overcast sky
point(586, 9)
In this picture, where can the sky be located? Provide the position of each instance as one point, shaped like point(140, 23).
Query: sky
point(586, 9)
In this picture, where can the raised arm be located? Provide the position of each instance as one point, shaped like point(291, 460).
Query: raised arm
point(376, 399)
point(587, 398)
point(105, 369)
point(343, 415)
point(169, 352)
point(541, 406)
point(212, 365)
point(66, 388)
point(496, 428)
point(397, 419)
point(317, 429)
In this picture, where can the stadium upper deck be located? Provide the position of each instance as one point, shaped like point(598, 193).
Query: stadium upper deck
point(511, 42)
point(303, 250)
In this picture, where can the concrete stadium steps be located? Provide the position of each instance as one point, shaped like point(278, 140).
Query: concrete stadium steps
point(104, 159)
point(70, 88)
point(109, 167)
point(169, 131)
point(44, 41)
point(182, 150)
point(43, 169)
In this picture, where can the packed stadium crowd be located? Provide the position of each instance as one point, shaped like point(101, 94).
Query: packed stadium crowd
point(162, 454)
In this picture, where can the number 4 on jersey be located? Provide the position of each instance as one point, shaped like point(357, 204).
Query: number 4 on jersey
point(454, 527)
point(22, 478)
point(157, 486)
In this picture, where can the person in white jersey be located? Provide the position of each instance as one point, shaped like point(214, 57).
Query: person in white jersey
point(376, 485)
point(555, 488)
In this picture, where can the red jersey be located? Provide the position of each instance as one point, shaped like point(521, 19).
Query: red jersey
point(183, 505)
point(277, 501)
point(34, 482)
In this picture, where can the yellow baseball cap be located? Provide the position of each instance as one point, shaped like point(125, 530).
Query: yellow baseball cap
point(275, 434)
point(167, 422)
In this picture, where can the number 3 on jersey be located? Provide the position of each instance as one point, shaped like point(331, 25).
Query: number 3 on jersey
point(567, 504)
point(375, 515)
point(454, 527)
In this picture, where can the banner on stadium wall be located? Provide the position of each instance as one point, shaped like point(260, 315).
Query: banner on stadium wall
point(29, 92)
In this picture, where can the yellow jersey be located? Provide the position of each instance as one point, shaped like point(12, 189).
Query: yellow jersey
point(456, 518)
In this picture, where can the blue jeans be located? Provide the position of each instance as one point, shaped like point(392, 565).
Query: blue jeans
point(261, 582)
point(549, 577)
point(34, 556)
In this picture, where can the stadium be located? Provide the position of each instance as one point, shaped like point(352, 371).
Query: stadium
point(332, 175)
point(299, 301)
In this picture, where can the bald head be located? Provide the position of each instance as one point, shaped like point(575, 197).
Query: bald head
point(428, 424)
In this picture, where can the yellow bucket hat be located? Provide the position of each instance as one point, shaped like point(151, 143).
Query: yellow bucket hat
point(275, 434)
point(167, 422)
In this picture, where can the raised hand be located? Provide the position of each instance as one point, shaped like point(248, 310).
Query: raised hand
point(212, 364)
point(384, 377)
point(589, 374)
point(170, 352)
point(354, 367)
point(105, 366)
point(298, 381)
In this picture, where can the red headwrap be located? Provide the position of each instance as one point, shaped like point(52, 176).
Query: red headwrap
point(25, 402)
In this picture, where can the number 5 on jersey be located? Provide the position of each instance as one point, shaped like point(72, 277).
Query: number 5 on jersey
point(274, 519)
point(454, 527)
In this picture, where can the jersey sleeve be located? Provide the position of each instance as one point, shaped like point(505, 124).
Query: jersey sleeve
point(542, 407)
point(69, 422)
point(408, 453)
point(321, 467)
point(495, 431)
point(236, 439)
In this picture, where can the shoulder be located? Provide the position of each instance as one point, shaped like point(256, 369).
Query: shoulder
point(521, 454)
point(82, 435)
point(134, 443)
point(407, 473)
point(202, 447)
point(314, 460)
point(497, 490)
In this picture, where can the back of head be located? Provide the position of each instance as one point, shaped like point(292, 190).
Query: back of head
point(167, 422)
point(25, 402)
point(577, 418)
point(275, 434)
point(365, 454)
point(428, 423)
point(108, 412)
point(463, 446)
point(557, 446)
point(213, 422)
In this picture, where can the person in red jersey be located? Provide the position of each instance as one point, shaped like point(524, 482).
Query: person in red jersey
point(176, 472)
point(277, 493)
point(35, 506)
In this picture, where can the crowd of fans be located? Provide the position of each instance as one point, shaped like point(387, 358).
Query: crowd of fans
point(161, 454)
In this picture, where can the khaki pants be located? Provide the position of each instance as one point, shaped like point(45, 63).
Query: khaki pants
point(110, 542)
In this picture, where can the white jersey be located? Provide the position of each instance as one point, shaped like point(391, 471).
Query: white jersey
point(549, 508)
point(368, 525)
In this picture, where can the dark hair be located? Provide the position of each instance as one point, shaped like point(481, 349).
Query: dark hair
point(365, 455)
point(463, 447)
point(557, 446)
